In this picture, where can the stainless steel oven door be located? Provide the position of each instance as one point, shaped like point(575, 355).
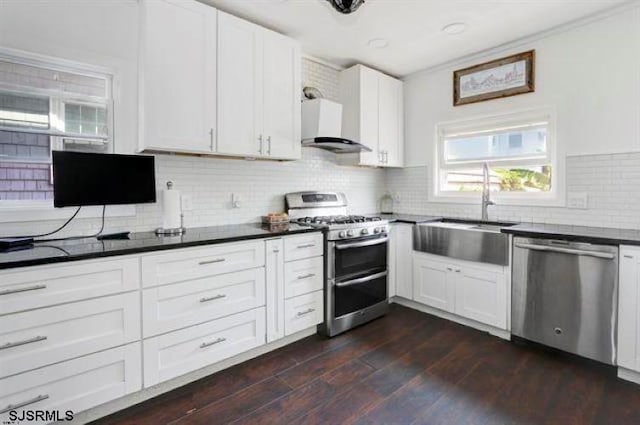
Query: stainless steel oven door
point(353, 295)
point(358, 257)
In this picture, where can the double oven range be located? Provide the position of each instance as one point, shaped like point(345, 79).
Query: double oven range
point(355, 261)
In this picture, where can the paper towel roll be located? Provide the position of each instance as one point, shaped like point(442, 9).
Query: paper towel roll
point(171, 209)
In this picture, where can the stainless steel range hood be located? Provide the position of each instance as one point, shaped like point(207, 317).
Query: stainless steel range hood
point(322, 127)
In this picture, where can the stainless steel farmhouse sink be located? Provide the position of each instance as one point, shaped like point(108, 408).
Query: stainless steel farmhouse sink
point(479, 241)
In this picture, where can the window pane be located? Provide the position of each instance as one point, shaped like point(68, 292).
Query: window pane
point(24, 111)
point(24, 181)
point(523, 143)
point(85, 120)
point(30, 147)
point(517, 179)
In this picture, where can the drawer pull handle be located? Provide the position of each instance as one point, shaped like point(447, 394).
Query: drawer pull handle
point(309, 245)
point(24, 403)
point(217, 260)
point(306, 276)
point(25, 342)
point(209, 344)
point(25, 289)
point(215, 297)
point(303, 313)
point(628, 256)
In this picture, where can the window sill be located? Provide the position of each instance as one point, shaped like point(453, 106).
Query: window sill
point(13, 212)
point(551, 201)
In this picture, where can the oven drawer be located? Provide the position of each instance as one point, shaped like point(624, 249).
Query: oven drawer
point(355, 294)
point(303, 312)
point(193, 263)
point(169, 307)
point(42, 286)
point(37, 338)
point(303, 276)
point(303, 246)
point(75, 385)
point(179, 352)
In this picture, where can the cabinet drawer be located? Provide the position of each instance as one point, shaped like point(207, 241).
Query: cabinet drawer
point(186, 350)
point(303, 276)
point(43, 286)
point(303, 312)
point(40, 337)
point(171, 307)
point(303, 246)
point(188, 264)
point(75, 385)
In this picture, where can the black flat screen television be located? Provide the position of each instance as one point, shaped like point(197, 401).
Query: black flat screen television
point(83, 179)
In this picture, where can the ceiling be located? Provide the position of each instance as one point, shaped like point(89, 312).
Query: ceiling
point(413, 28)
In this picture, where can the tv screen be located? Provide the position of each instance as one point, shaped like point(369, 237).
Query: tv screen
point(81, 179)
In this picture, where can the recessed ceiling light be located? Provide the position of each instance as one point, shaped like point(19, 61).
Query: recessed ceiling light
point(455, 28)
point(378, 43)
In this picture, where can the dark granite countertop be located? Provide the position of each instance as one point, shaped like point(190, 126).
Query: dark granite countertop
point(603, 235)
point(409, 218)
point(87, 248)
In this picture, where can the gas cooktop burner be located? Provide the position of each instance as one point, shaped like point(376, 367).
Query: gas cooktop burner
point(337, 219)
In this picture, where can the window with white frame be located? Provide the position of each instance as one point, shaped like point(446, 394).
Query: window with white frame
point(519, 149)
point(45, 107)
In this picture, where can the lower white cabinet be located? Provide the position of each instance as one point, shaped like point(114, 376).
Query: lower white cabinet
point(475, 291)
point(179, 352)
point(275, 289)
point(170, 307)
point(401, 260)
point(303, 312)
point(628, 309)
point(74, 385)
point(44, 336)
point(303, 276)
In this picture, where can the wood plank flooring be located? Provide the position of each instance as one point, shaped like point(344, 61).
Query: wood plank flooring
point(406, 368)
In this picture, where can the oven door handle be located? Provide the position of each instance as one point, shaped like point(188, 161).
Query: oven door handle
point(361, 279)
point(362, 244)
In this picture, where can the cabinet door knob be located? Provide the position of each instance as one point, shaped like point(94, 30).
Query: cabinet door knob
point(261, 140)
point(269, 145)
point(211, 138)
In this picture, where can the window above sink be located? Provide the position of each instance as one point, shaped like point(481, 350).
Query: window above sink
point(520, 149)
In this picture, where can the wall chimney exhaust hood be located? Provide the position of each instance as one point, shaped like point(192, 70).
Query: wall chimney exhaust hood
point(322, 127)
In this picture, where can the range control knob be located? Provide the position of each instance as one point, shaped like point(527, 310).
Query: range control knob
point(342, 234)
point(364, 232)
point(349, 233)
point(376, 230)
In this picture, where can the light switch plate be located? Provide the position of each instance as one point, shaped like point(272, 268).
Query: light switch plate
point(578, 200)
point(187, 203)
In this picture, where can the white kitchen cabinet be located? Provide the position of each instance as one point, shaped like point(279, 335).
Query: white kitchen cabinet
point(179, 352)
point(475, 291)
point(373, 115)
point(75, 385)
point(303, 312)
point(258, 91)
point(433, 283)
point(391, 260)
point(275, 279)
point(404, 259)
point(628, 311)
point(36, 338)
point(177, 80)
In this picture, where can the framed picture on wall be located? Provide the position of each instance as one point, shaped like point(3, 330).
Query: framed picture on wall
point(498, 78)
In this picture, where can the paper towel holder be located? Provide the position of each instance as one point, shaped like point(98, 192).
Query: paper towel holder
point(160, 231)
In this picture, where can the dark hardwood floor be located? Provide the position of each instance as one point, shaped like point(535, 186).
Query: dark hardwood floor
point(406, 368)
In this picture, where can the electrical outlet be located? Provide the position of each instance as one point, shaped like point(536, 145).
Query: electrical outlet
point(186, 202)
point(578, 200)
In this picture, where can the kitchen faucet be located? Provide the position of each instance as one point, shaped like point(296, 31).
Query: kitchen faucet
point(486, 197)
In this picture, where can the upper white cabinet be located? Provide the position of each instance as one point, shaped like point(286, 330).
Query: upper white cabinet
point(258, 97)
point(373, 115)
point(177, 76)
point(211, 83)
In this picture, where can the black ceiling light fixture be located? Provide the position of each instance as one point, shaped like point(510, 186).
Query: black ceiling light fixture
point(346, 6)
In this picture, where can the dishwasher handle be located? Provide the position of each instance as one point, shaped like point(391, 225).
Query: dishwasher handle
point(597, 254)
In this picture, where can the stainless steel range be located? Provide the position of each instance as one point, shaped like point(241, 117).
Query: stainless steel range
point(356, 258)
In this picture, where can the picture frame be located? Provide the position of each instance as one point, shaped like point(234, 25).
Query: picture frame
point(498, 78)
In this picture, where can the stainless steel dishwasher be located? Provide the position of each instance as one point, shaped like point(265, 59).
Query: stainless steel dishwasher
point(565, 295)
